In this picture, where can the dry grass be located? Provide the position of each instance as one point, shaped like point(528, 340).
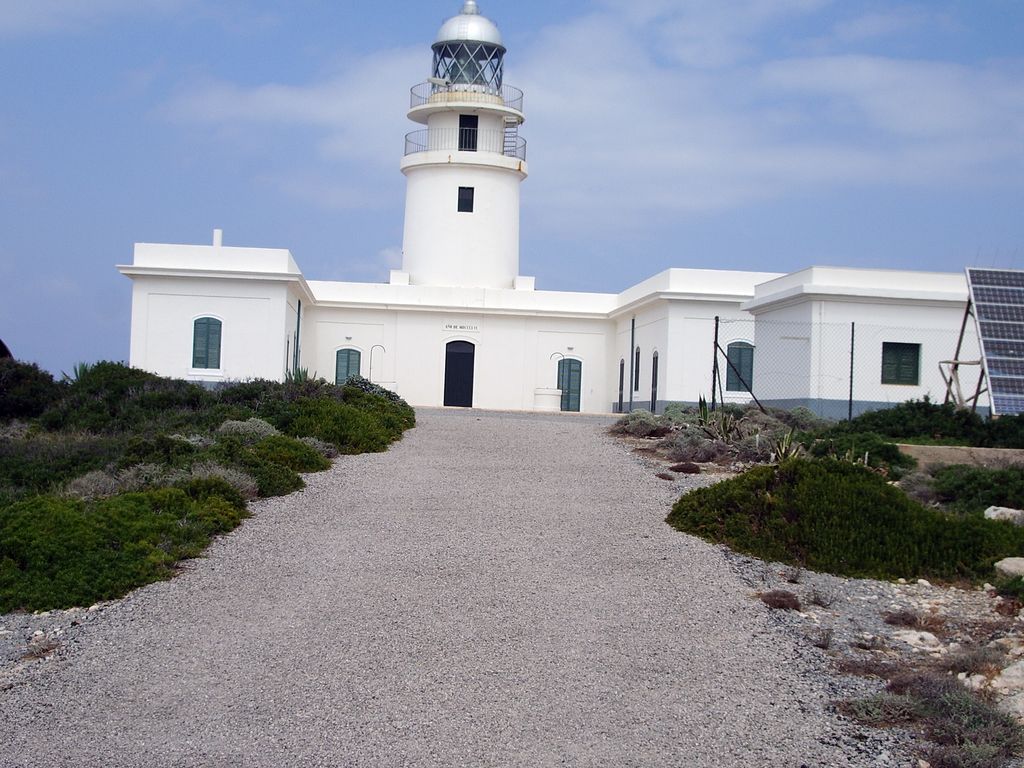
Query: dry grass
point(781, 599)
point(40, 648)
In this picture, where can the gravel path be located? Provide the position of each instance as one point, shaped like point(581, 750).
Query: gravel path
point(496, 590)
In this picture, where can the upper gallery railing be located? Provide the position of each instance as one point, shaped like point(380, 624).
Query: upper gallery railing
point(431, 93)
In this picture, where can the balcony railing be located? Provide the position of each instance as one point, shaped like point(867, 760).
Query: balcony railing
point(465, 140)
point(429, 93)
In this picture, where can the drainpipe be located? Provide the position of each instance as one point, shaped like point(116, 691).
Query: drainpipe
point(298, 327)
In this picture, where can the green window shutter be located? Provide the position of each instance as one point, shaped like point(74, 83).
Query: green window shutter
point(347, 365)
point(206, 337)
point(901, 363)
point(741, 355)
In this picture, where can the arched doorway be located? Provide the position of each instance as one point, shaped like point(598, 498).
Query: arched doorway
point(459, 359)
point(570, 376)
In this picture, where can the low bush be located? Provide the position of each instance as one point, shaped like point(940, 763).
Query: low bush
point(351, 429)
point(291, 453)
point(864, 447)
point(249, 431)
point(925, 421)
point(971, 490)
point(25, 390)
point(44, 462)
point(113, 398)
point(844, 519)
point(322, 447)
point(642, 423)
point(690, 446)
point(58, 552)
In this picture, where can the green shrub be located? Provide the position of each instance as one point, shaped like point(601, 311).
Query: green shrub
point(351, 429)
point(970, 490)
point(43, 462)
point(203, 488)
point(856, 446)
point(844, 519)
point(291, 453)
point(58, 552)
point(272, 479)
point(393, 412)
point(25, 390)
point(111, 397)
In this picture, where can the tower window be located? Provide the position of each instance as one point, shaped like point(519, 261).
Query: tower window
point(468, 125)
point(206, 334)
point(466, 199)
point(636, 370)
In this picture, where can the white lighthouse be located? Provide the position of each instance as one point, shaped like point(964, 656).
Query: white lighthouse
point(464, 169)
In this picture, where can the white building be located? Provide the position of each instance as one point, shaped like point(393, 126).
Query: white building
point(458, 325)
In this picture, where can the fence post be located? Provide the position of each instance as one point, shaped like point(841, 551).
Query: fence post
point(853, 339)
point(714, 365)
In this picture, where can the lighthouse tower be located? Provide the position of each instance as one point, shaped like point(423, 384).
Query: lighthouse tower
point(464, 169)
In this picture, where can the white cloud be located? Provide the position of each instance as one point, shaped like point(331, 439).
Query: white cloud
point(879, 24)
point(27, 17)
point(630, 118)
point(635, 136)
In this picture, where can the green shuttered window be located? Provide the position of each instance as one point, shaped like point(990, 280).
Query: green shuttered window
point(347, 365)
point(741, 359)
point(901, 363)
point(206, 334)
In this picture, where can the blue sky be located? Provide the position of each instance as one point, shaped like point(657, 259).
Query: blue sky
point(750, 134)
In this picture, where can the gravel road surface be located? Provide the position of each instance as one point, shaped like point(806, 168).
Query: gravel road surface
point(496, 590)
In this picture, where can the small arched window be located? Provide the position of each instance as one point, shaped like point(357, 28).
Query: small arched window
point(206, 337)
point(740, 374)
point(347, 365)
point(636, 370)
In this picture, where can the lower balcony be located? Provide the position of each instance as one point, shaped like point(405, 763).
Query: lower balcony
point(507, 143)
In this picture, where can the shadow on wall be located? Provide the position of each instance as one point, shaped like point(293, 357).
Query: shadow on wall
point(4, 351)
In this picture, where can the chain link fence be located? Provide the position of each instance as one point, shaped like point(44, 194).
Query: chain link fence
point(837, 370)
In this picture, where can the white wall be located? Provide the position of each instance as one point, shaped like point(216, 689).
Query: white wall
point(253, 316)
point(442, 246)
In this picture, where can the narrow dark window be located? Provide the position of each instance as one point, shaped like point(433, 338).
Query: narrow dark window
point(465, 199)
point(901, 363)
point(654, 383)
point(468, 125)
point(347, 363)
point(636, 370)
point(740, 374)
point(206, 333)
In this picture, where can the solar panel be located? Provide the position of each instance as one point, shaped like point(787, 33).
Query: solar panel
point(997, 296)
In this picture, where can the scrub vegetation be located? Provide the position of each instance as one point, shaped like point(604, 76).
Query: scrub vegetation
point(843, 518)
point(111, 476)
point(842, 498)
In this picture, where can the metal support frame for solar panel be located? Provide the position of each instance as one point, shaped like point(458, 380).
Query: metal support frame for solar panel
point(997, 296)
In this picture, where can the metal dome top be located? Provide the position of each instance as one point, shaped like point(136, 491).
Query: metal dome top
point(469, 25)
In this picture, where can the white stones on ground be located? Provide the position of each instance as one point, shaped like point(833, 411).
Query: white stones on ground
point(986, 587)
point(923, 583)
point(974, 682)
point(1010, 567)
point(921, 641)
point(1011, 679)
point(901, 581)
point(1015, 516)
point(1013, 706)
